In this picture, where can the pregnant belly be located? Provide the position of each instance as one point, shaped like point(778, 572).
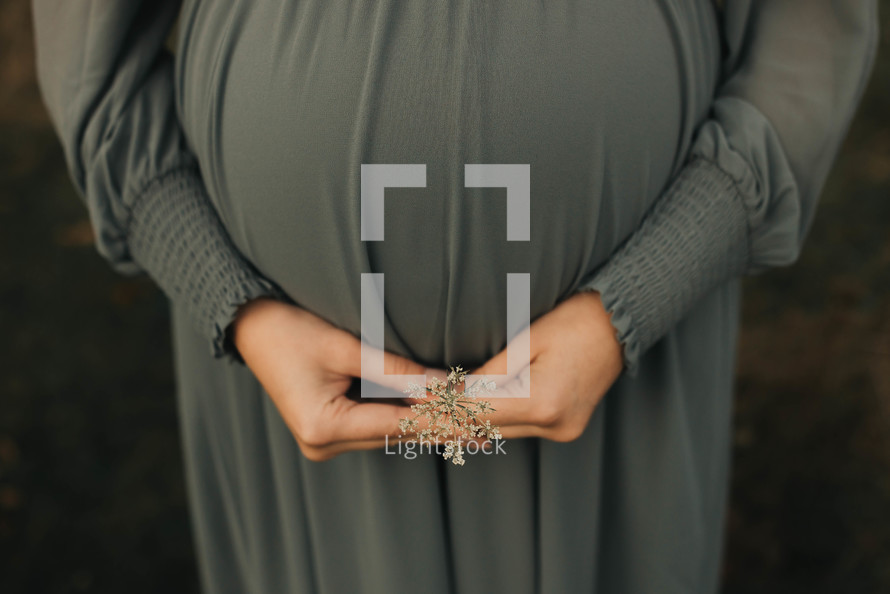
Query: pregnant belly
point(589, 95)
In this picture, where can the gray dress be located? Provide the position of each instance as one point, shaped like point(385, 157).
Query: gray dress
point(672, 147)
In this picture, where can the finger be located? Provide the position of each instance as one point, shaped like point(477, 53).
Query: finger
point(428, 395)
point(497, 365)
point(439, 374)
point(347, 357)
point(422, 393)
point(501, 365)
point(510, 402)
point(513, 403)
point(362, 421)
point(319, 454)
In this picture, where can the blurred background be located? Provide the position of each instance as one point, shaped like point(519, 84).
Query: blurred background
point(91, 479)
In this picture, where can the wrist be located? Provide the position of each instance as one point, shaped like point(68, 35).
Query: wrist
point(604, 331)
point(245, 316)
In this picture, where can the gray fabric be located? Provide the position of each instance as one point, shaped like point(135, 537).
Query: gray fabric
point(694, 239)
point(176, 235)
point(793, 73)
point(109, 89)
point(661, 170)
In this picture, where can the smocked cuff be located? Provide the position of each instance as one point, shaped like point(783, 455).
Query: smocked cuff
point(177, 237)
point(693, 239)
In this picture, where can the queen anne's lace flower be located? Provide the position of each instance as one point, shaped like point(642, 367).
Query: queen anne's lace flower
point(451, 413)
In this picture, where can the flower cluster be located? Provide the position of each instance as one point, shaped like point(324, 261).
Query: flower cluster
point(451, 413)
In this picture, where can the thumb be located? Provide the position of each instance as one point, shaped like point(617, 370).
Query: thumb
point(395, 373)
point(503, 365)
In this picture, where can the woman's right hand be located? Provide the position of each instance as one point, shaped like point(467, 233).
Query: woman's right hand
point(307, 365)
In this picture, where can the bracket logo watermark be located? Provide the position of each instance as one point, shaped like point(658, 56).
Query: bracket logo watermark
point(374, 181)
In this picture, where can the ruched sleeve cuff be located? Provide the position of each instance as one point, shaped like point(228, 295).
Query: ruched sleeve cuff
point(694, 238)
point(176, 237)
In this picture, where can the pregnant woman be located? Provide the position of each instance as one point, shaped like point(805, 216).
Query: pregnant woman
point(672, 147)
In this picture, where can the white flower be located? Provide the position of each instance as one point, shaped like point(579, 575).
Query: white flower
point(451, 413)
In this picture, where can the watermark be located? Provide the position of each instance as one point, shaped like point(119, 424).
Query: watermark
point(411, 448)
point(374, 181)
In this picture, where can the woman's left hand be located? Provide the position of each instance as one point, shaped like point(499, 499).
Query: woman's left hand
point(575, 358)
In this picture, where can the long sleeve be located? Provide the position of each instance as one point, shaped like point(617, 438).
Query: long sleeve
point(108, 84)
point(794, 72)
